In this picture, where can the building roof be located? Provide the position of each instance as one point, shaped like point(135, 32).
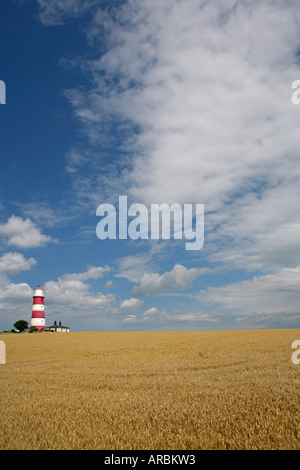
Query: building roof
point(58, 326)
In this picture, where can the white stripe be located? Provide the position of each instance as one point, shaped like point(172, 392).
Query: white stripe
point(37, 321)
point(38, 308)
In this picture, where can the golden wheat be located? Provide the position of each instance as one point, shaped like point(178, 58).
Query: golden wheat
point(150, 390)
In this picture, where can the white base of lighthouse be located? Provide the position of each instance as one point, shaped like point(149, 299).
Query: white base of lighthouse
point(38, 323)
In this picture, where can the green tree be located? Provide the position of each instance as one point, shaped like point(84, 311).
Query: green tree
point(21, 325)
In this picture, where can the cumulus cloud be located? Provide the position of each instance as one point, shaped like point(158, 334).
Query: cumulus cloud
point(150, 311)
point(15, 300)
point(74, 294)
point(178, 279)
point(13, 263)
point(128, 304)
point(71, 295)
point(23, 233)
point(15, 293)
point(152, 314)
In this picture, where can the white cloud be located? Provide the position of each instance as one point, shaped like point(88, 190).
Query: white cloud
point(23, 233)
point(276, 293)
point(152, 314)
point(11, 293)
point(208, 85)
point(194, 77)
point(46, 215)
point(75, 294)
point(150, 311)
point(193, 317)
point(267, 251)
point(131, 319)
point(93, 272)
point(13, 263)
point(178, 279)
point(159, 317)
point(109, 284)
point(75, 160)
point(56, 12)
point(15, 301)
point(71, 294)
point(133, 267)
point(130, 304)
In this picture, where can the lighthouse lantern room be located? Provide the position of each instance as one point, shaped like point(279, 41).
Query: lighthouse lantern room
point(38, 310)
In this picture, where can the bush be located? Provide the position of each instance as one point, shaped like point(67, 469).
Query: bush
point(33, 329)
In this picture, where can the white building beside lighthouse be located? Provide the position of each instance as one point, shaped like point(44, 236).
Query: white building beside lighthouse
point(58, 328)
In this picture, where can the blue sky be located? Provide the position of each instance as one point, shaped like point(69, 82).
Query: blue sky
point(165, 102)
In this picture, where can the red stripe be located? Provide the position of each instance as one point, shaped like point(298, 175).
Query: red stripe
point(38, 300)
point(38, 314)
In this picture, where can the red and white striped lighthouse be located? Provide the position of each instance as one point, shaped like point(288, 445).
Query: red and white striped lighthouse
point(38, 310)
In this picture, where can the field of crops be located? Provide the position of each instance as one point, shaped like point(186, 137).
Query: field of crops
point(150, 390)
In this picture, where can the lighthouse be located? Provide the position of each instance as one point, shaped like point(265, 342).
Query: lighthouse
point(38, 310)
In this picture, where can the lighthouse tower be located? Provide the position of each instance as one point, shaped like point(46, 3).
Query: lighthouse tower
point(38, 310)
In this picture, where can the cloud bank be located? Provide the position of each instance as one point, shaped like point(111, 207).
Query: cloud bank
point(200, 94)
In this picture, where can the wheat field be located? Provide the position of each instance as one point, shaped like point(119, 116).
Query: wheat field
point(150, 390)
